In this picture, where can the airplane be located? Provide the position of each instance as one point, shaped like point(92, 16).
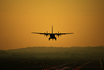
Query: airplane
point(52, 35)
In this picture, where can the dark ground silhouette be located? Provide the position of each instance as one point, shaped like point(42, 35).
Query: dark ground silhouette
point(39, 58)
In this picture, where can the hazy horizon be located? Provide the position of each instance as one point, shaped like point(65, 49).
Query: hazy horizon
point(54, 52)
point(53, 47)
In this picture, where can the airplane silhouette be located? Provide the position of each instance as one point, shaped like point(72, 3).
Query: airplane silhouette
point(52, 35)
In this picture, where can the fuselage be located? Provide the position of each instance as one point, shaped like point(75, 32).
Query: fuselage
point(52, 36)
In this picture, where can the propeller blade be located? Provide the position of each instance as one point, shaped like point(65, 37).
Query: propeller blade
point(47, 31)
point(44, 33)
point(58, 34)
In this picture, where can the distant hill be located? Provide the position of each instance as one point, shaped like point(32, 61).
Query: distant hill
point(58, 49)
point(52, 52)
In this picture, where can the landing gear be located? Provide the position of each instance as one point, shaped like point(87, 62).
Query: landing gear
point(55, 39)
point(52, 38)
point(49, 38)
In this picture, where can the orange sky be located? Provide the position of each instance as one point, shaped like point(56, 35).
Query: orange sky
point(18, 18)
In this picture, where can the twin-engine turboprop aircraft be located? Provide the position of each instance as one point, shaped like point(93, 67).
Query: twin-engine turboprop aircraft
point(52, 35)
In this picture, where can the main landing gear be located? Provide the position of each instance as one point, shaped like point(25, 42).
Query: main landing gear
point(52, 39)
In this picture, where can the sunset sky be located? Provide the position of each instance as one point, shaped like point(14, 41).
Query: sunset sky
point(18, 18)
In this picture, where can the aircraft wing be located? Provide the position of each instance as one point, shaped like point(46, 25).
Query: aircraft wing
point(40, 33)
point(63, 33)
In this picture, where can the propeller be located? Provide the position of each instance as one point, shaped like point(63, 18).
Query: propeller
point(58, 34)
point(46, 33)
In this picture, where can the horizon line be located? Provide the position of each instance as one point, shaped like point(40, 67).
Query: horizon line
point(53, 47)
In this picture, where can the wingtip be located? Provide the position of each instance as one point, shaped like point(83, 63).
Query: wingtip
point(31, 32)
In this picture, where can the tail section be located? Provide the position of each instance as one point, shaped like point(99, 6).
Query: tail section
point(52, 29)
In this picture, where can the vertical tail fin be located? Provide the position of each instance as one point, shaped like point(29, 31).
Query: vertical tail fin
point(52, 29)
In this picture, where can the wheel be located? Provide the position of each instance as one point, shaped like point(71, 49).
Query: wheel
point(55, 39)
point(49, 38)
